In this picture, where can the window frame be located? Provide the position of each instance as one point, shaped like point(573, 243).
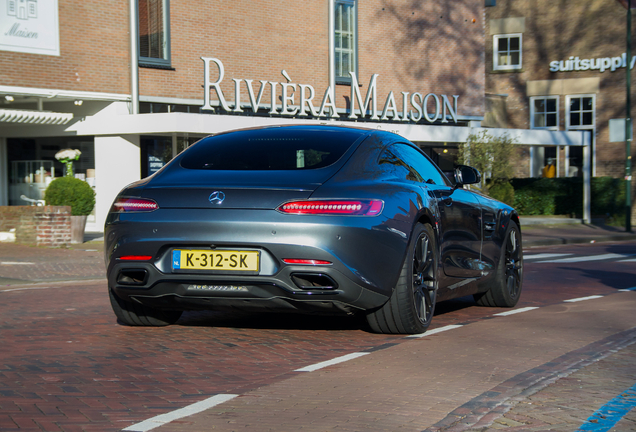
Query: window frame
point(495, 52)
point(161, 63)
point(591, 128)
point(354, 49)
point(568, 100)
point(533, 112)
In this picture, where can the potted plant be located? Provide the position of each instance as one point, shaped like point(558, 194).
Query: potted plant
point(76, 193)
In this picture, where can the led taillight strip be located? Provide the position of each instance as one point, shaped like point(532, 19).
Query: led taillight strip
point(135, 257)
point(305, 261)
point(333, 207)
point(124, 205)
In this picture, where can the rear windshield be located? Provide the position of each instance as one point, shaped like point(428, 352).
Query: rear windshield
point(285, 148)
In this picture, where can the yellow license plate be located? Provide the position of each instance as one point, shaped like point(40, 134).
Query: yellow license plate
point(230, 260)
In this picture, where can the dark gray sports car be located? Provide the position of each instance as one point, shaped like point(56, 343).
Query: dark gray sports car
point(316, 219)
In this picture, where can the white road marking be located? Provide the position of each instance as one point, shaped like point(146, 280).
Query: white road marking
point(15, 263)
point(437, 330)
point(585, 258)
point(331, 362)
point(545, 256)
point(629, 260)
point(30, 288)
point(189, 410)
point(583, 299)
point(516, 311)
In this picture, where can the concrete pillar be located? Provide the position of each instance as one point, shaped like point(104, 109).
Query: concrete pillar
point(117, 164)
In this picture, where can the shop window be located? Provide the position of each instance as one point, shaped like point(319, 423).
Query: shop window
point(507, 51)
point(154, 33)
point(581, 111)
point(544, 112)
point(155, 153)
point(346, 54)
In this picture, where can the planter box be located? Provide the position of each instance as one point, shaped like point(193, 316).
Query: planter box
point(37, 225)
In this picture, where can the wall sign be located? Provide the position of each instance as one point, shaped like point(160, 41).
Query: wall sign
point(413, 107)
point(599, 64)
point(30, 26)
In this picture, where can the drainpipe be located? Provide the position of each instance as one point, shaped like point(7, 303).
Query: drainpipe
point(332, 48)
point(134, 67)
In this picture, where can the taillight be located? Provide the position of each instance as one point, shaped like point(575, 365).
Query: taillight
point(334, 207)
point(305, 261)
point(125, 205)
point(135, 257)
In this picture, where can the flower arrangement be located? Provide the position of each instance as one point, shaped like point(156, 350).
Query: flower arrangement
point(67, 156)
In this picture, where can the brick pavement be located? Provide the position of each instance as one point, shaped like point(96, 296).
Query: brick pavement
point(413, 386)
point(565, 404)
point(20, 264)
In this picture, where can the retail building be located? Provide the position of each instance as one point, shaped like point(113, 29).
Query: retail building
point(561, 66)
point(131, 84)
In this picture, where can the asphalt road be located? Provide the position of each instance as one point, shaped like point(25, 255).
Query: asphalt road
point(67, 365)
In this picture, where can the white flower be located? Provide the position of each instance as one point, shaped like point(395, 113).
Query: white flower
point(68, 155)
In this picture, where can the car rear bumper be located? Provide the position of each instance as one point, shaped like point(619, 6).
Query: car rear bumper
point(366, 258)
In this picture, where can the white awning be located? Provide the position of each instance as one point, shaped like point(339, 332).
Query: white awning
point(34, 117)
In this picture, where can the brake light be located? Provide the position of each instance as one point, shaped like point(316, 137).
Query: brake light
point(305, 261)
point(135, 257)
point(334, 207)
point(124, 205)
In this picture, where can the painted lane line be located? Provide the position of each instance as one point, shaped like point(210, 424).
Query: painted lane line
point(583, 299)
point(15, 263)
point(629, 260)
point(331, 362)
point(437, 330)
point(611, 413)
point(516, 311)
point(29, 288)
point(586, 258)
point(545, 256)
point(628, 289)
point(189, 410)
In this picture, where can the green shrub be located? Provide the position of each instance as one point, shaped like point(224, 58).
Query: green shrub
point(564, 196)
point(69, 191)
point(534, 204)
point(502, 191)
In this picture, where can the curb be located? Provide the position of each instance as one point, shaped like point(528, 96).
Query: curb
point(577, 240)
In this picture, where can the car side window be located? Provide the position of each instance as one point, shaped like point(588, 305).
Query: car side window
point(418, 162)
point(392, 164)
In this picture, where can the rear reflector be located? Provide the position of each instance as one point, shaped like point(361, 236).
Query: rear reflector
point(135, 257)
point(334, 207)
point(305, 261)
point(124, 205)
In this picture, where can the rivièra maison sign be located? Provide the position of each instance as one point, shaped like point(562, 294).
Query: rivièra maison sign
point(299, 100)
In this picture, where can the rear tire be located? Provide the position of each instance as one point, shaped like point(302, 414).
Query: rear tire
point(506, 288)
point(412, 304)
point(135, 314)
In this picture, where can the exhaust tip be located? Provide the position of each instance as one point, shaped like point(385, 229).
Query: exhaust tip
point(313, 281)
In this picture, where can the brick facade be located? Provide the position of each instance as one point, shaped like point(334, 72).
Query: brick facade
point(414, 46)
point(38, 226)
point(556, 31)
point(588, 30)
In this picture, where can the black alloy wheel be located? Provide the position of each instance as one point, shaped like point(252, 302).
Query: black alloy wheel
point(508, 280)
point(514, 264)
point(410, 308)
point(424, 287)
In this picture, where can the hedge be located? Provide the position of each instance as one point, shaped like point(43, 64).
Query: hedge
point(564, 196)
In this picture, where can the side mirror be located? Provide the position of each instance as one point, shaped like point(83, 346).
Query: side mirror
point(465, 175)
